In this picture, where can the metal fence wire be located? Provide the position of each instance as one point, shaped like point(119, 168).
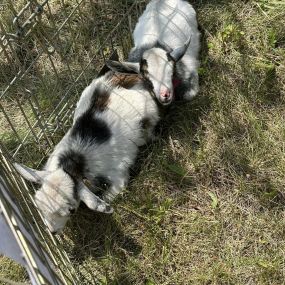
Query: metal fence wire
point(49, 52)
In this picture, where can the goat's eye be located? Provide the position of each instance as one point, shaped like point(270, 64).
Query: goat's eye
point(143, 67)
point(71, 211)
point(101, 183)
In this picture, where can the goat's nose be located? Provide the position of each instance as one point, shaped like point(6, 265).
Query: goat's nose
point(165, 94)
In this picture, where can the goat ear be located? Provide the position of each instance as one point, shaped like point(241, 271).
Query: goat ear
point(177, 53)
point(93, 202)
point(123, 67)
point(36, 176)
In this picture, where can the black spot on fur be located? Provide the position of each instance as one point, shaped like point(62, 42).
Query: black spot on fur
point(90, 129)
point(72, 163)
point(148, 84)
point(185, 85)
point(144, 71)
point(170, 58)
point(145, 123)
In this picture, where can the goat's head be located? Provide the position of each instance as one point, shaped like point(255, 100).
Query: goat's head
point(60, 195)
point(157, 67)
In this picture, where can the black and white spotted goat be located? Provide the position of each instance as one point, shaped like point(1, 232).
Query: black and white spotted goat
point(114, 116)
point(167, 43)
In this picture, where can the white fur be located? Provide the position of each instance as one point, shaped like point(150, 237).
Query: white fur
point(112, 159)
point(171, 22)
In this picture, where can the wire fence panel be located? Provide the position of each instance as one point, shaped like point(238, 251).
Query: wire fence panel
point(38, 246)
point(45, 261)
point(49, 52)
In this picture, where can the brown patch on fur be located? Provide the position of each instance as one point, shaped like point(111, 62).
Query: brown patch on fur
point(126, 81)
point(100, 100)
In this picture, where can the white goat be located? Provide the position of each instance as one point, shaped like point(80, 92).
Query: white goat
point(167, 43)
point(114, 116)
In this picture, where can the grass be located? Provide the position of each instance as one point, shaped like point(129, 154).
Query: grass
point(11, 271)
point(207, 204)
point(55, 53)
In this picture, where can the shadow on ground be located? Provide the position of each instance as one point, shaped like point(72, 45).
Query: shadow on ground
point(95, 235)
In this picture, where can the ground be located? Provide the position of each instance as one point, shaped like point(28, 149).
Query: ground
point(206, 203)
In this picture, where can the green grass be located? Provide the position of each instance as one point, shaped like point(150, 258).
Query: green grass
point(59, 61)
point(10, 270)
point(207, 205)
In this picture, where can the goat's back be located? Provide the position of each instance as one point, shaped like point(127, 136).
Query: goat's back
point(108, 127)
point(171, 22)
point(121, 108)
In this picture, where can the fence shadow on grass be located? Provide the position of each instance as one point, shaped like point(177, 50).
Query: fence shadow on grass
point(98, 234)
point(255, 83)
point(99, 237)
